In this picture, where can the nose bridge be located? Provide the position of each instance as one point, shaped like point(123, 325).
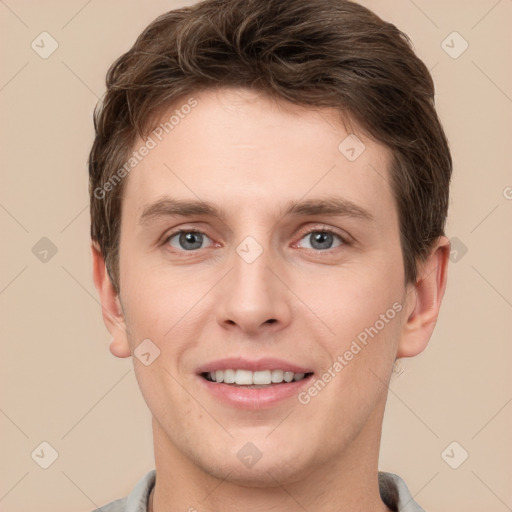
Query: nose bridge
point(252, 296)
point(251, 277)
point(251, 281)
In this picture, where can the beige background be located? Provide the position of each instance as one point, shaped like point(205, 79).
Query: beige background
point(60, 384)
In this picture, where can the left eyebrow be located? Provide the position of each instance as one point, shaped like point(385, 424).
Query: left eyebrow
point(332, 205)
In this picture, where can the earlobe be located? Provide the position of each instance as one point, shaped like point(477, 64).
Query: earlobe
point(119, 348)
point(110, 304)
point(428, 292)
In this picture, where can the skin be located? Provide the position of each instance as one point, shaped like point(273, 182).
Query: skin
point(251, 155)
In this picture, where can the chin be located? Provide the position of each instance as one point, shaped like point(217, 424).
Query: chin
point(262, 475)
point(246, 465)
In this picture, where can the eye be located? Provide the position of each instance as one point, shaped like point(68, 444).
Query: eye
point(322, 240)
point(187, 240)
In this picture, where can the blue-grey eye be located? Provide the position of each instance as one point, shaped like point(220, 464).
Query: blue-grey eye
point(322, 240)
point(187, 240)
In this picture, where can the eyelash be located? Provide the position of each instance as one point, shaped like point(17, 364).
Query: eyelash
point(325, 229)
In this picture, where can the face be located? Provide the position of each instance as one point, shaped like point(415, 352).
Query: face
point(252, 242)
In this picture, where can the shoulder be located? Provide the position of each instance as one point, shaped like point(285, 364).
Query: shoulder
point(137, 500)
point(113, 506)
point(395, 494)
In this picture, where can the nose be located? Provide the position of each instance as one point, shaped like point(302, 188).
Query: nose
point(253, 298)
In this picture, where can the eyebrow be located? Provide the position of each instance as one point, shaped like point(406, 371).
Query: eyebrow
point(331, 205)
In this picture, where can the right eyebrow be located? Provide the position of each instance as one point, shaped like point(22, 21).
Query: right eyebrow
point(167, 207)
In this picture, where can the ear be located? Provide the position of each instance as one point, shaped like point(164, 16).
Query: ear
point(110, 304)
point(424, 300)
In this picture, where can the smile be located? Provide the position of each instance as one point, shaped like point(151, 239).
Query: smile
point(253, 380)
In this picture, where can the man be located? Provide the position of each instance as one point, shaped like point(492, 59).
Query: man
point(269, 185)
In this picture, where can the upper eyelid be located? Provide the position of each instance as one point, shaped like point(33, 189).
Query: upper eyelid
point(323, 229)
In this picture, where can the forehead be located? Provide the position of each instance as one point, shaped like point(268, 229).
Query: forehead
point(245, 151)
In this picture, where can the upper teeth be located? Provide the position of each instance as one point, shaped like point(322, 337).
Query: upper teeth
point(248, 378)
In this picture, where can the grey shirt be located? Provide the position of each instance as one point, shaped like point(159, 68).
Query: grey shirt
point(392, 488)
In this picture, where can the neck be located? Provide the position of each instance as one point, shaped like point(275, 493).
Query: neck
point(350, 480)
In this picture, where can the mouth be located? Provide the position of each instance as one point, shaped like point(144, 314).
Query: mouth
point(253, 384)
point(254, 379)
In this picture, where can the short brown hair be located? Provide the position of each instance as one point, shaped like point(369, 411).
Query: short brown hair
point(314, 53)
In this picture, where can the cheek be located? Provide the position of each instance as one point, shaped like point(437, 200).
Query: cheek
point(349, 300)
point(363, 310)
point(168, 308)
point(154, 298)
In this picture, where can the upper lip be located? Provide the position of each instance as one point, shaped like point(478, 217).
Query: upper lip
point(254, 365)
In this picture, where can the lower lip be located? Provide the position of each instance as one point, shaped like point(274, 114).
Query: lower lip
point(260, 398)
